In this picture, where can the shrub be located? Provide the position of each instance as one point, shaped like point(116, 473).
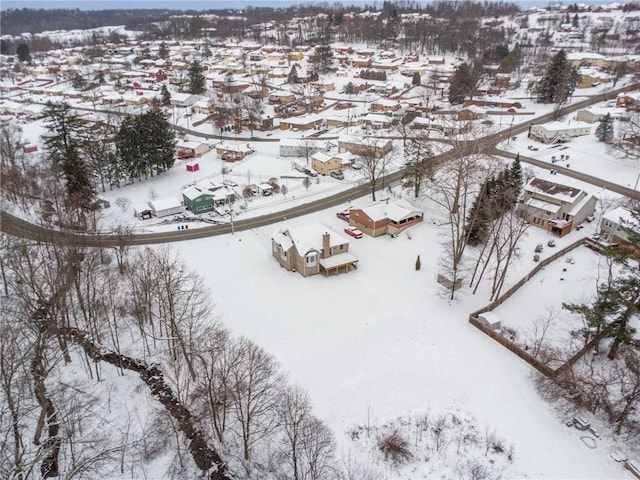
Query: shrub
point(395, 447)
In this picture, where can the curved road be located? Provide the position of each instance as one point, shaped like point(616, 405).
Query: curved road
point(15, 226)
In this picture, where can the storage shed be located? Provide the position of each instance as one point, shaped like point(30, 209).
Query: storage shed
point(490, 319)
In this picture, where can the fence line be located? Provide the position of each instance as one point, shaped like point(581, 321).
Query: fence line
point(513, 347)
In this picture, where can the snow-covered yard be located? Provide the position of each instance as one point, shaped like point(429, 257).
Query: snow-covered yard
point(381, 342)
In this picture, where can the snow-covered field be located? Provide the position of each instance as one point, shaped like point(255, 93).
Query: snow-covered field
point(381, 342)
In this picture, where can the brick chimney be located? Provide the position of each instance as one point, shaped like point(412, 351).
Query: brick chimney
point(325, 245)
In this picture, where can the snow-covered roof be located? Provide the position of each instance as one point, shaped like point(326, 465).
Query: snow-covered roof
point(583, 55)
point(556, 190)
point(301, 142)
point(378, 118)
point(194, 192)
point(235, 147)
point(165, 204)
point(552, 208)
point(395, 210)
point(580, 205)
point(364, 141)
point(558, 126)
point(321, 157)
point(624, 217)
point(189, 144)
point(302, 120)
point(308, 237)
point(338, 259)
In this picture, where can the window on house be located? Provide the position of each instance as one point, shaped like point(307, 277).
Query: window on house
point(312, 258)
point(331, 251)
point(283, 253)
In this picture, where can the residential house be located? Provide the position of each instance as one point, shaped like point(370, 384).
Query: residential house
point(447, 127)
point(191, 148)
point(378, 121)
point(590, 77)
point(305, 122)
point(385, 105)
point(364, 145)
point(240, 150)
point(325, 163)
point(472, 112)
point(184, 99)
point(281, 97)
point(202, 107)
point(616, 224)
point(589, 115)
point(207, 196)
point(362, 62)
point(558, 132)
point(301, 147)
point(555, 207)
point(197, 200)
point(491, 102)
point(586, 59)
point(312, 249)
point(385, 217)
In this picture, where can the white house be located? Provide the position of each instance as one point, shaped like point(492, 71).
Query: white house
point(192, 148)
point(301, 147)
point(166, 206)
point(555, 207)
point(615, 224)
point(559, 132)
point(184, 99)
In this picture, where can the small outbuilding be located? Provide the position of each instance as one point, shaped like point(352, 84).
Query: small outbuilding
point(142, 211)
point(165, 207)
point(490, 319)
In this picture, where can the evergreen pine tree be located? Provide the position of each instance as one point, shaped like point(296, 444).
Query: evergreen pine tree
point(498, 196)
point(293, 74)
point(24, 55)
point(166, 96)
point(63, 144)
point(196, 79)
point(163, 52)
point(145, 144)
point(350, 88)
point(558, 82)
point(462, 84)
point(604, 131)
point(416, 79)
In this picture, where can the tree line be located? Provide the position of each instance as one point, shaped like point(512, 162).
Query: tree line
point(91, 157)
point(221, 407)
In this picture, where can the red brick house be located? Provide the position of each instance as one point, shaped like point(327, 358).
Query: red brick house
point(387, 217)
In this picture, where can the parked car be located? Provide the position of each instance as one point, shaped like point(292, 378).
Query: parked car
point(311, 172)
point(356, 166)
point(538, 248)
point(343, 215)
point(590, 218)
point(337, 174)
point(354, 232)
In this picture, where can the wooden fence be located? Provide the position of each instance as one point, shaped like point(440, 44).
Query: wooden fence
point(513, 347)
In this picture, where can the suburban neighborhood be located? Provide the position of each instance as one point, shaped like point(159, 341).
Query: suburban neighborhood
point(313, 241)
